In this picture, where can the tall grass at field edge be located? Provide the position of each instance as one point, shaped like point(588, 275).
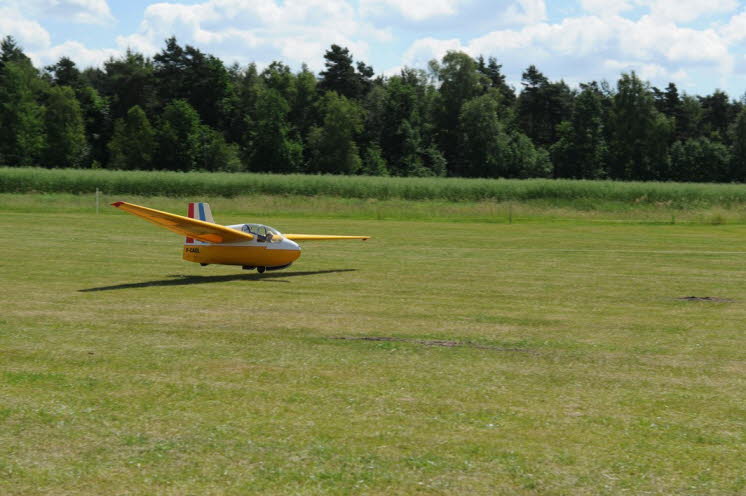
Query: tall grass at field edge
point(584, 193)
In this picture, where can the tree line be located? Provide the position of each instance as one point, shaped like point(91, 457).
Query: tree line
point(186, 110)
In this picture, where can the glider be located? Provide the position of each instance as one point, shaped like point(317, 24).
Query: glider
point(252, 246)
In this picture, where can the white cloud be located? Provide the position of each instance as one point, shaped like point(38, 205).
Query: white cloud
point(257, 30)
point(449, 14)
point(598, 47)
point(83, 56)
point(574, 37)
point(27, 33)
point(426, 49)
point(735, 30)
point(604, 8)
point(526, 12)
point(678, 11)
point(77, 11)
point(414, 10)
point(37, 44)
point(689, 10)
point(646, 40)
point(138, 42)
point(85, 11)
point(645, 71)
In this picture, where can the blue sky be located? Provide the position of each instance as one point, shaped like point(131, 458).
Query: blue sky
point(698, 44)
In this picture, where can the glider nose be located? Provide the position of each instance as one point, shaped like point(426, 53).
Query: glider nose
point(288, 244)
point(291, 250)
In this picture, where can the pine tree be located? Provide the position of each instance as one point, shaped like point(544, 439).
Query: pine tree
point(11, 52)
point(542, 106)
point(717, 114)
point(170, 72)
point(188, 74)
point(496, 79)
point(65, 73)
point(340, 74)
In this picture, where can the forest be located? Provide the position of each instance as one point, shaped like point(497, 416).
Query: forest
point(186, 110)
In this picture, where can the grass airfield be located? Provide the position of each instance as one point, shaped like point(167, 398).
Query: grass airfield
point(545, 357)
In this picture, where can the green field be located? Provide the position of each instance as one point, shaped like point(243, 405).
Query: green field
point(548, 356)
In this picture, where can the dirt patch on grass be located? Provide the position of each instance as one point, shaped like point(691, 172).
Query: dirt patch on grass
point(434, 342)
point(706, 298)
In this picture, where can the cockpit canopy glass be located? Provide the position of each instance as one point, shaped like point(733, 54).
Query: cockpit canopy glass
point(263, 233)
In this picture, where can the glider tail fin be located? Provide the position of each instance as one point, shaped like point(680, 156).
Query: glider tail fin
point(199, 211)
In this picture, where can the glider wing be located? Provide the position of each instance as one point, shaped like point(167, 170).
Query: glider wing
point(320, 237)
point(193, 228)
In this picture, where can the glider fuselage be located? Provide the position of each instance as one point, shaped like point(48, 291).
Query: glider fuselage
point(262, 251)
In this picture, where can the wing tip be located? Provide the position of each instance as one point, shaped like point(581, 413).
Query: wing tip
point(117, 204)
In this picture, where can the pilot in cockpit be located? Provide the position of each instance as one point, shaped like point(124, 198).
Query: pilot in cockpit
point(262, 233)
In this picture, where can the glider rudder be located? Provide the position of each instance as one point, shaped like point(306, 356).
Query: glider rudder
point(200, 211)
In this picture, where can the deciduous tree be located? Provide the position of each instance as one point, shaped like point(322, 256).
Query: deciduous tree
point(460, 81)
point(22, 131)
point(580, 151)
point(738, 135)
point(133, 144)
point(271, 148)
point(128, 81)
point(332, 145)
point(640, 135)
point(66, 144)
point(178, 137)
point(700, 159)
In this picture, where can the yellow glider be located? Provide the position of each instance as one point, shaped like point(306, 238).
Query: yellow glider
point(252, 246)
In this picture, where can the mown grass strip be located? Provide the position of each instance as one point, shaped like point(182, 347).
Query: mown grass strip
point(114, 376)
point(176, 184)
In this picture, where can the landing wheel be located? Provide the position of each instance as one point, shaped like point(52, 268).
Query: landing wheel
point(203, 264)
point(261, 269)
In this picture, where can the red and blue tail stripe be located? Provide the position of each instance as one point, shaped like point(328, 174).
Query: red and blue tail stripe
point(200, 211)
point(190, 214)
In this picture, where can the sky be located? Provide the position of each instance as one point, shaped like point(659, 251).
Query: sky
point(698, 44)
